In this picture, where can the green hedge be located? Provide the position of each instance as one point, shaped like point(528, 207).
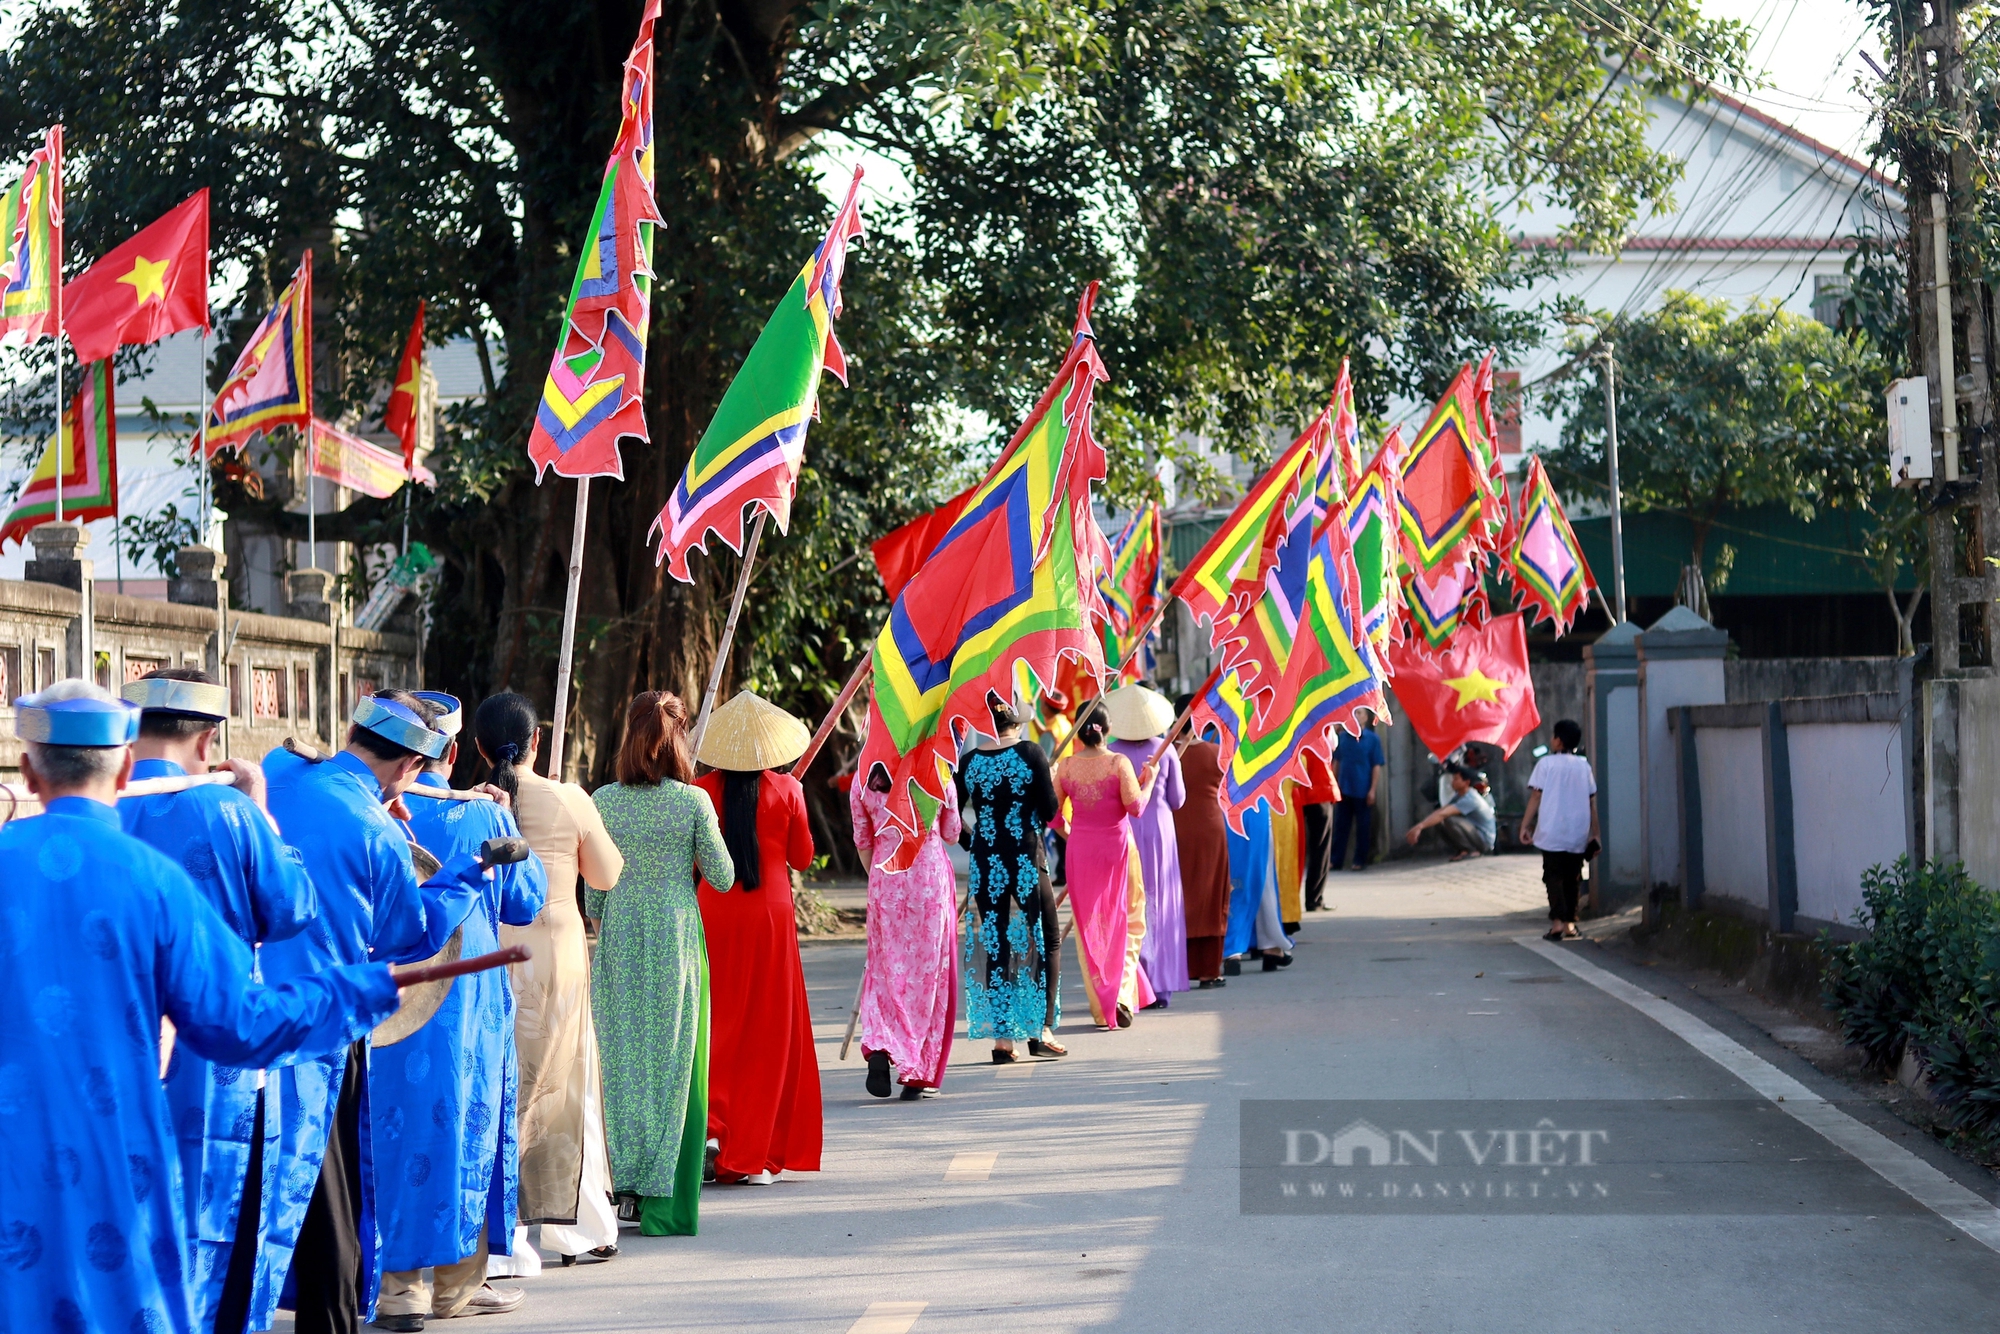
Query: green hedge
point(1926, 981)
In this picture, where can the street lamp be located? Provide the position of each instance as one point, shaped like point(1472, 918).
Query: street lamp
point(1607, 353)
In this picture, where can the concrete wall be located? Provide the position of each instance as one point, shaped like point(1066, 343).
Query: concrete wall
point(1850, 783)
point(1734, 853)
point(276, 666)
point(1759, 680)
point(1786, 804)
point(1979, 779)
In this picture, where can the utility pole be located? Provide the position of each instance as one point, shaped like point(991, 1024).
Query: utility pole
point(1617, 503)
point(1930, 124)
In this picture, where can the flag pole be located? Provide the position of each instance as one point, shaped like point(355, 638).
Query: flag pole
point(201, 435)
point(1186, 713)
point(563, 659)
point(1138, 645)
point(729, 629)
point(840, 703)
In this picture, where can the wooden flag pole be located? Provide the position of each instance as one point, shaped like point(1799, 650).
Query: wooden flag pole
point(729, 629)
point(1186, 713)
point(564, 658)
point(840, 703)
point(1138, 643)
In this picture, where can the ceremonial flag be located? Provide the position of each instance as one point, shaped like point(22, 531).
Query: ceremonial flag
point(1235, 549)
point(900, 553)
point(1438, 602)
point(359, 465)
point(1477, 689)
point(271, 383)
point(751, 453)
point(400, 418)
point(1371, 515)
point(1131, 585)
point(1010, 582)
point(89, 460)
point(31, 246)
point(1449, 510)
point(594, 393)
point(1346, 441)
point(1331, 674)
point(1551, 578)
point(153, 285)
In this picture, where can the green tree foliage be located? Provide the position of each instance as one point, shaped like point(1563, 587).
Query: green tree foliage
point(1720, 408)
point(1266, 187)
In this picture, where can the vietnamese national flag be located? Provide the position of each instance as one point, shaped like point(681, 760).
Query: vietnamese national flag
point(1475, 689)
point(400, 418)
point(901, 553)
point(153, 285)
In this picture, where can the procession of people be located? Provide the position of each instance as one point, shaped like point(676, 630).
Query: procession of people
point(296, 1141)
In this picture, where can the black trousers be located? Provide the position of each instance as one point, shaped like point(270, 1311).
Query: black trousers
point(1051, 950)
point(1319, 848)
point(232, 1313)
point(1354, 815)
point(329, 1265)
point(1562, 876)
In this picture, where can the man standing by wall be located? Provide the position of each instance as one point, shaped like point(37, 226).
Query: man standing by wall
point(1561, 820)
point(1358, 763)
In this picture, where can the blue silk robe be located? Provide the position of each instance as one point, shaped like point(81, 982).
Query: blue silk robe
point(257, 884)
point(1250, 874)
point(446, 1157)
point(100, 936)
point(371, 907)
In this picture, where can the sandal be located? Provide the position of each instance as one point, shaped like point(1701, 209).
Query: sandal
point(1553, 933)
point(1046, 1047)
point(1001, 1056)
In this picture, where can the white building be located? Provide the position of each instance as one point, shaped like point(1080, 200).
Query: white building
point(1762, 212)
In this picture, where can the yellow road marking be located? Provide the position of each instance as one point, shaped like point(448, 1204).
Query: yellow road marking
point(971, 1166)
point(889, 1317)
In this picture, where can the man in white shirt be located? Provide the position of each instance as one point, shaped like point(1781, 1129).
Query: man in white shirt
point(1561, 820)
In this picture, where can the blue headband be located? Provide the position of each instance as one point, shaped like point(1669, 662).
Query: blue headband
point(196, 699)
point(451, 716)
point(396, 722)
point(76, 722)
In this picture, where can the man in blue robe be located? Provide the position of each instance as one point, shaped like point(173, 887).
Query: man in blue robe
point(443, 1099)
point(100, 937)
point(224, 840)
point(337, 813)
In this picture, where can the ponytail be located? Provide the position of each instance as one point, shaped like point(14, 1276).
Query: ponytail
point(504, 727)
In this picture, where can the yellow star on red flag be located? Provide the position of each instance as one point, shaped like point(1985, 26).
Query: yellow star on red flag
point(1477, 687)
point(148, 279)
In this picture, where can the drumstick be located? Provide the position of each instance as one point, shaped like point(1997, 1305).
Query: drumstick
point(410, 975)
point(854, 1019)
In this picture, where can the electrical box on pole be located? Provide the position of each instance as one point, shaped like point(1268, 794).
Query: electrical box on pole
point(1910, 431)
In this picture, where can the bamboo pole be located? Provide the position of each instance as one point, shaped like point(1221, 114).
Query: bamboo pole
point(1138, 643)
point(840, 703)
point(565, 658)
point(729, 629)
point(1186, 713)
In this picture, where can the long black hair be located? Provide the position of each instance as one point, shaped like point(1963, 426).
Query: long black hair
point(505, 726)
point(739, 824)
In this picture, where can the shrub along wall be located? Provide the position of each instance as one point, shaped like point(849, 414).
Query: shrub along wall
point(1927, 981)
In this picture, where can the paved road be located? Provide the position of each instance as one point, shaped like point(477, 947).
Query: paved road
point(1112, 1199)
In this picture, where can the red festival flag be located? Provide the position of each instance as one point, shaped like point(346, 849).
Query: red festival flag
point(1012, 582)
point(400, 418)
point(153, 285)
point(1476, 688)
point(900, 553)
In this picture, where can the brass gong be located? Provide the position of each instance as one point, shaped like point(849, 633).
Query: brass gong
point(421, 1001)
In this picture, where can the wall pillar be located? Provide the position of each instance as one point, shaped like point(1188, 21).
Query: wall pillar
point(59, 559)
point(1611, 740)
point(1680, 663)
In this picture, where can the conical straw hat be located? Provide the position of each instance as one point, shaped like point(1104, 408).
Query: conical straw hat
point(1135, 713)
point(750, 733)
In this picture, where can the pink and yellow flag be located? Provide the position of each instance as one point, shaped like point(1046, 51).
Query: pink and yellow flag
point(271, 383)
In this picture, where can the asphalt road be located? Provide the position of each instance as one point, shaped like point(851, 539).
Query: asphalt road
point(1105, 1191)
